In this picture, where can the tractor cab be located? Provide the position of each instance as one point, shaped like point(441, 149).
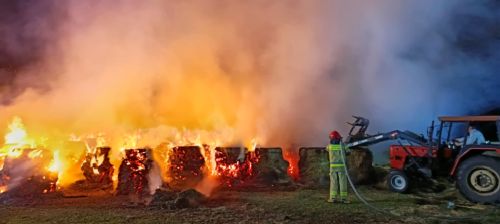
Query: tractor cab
point(451, 129)
point(453, 137)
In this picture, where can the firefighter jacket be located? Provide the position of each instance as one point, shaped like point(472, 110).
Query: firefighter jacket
point(335, 156)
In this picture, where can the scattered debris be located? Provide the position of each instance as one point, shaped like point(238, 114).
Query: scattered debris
point(189, 199)
point(170, 199)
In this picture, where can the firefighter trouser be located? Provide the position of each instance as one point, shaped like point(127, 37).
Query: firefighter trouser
point(338, 183)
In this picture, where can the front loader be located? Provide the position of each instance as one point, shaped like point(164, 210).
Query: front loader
point(474, 168)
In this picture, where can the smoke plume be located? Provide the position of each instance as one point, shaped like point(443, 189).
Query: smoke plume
point(283, 72)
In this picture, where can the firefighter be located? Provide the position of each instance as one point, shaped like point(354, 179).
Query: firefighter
point(338, 178)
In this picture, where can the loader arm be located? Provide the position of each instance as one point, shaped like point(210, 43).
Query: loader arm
point(393, 135)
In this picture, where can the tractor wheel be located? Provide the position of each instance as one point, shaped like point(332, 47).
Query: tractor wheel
point(398, 181)
point(478, 179)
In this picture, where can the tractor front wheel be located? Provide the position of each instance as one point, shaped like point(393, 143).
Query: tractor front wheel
point(398, 181)
point(478, 179)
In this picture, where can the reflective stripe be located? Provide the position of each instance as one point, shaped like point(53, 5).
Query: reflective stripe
point(334, 147)
point(336, 165)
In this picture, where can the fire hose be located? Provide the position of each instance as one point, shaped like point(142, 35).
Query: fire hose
point(384, 211)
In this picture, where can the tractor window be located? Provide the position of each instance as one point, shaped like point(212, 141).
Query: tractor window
point(444, 133)
point(489, 131)
point(459, 130)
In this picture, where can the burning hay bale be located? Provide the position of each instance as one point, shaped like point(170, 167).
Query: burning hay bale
point(233, 165)
point(314, 166)
point(133, 173)
point(26, 173)
point(97, 175)
point(270, 167)
point(185, 166)
point(31, 187)
point(138, 176)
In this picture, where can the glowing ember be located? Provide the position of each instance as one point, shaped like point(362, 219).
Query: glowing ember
point(133, 173)
point(293, 160)
point(186, 166)
point(234, 165)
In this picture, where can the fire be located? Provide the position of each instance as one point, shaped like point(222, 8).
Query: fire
point(16, 139)
point(253, 145)
point(35, 153)
point(131, 141)
point(293, 160)
point(56, 164)
point(25, 161)
point(14, 152)
point(234, 165)
point(17, 136)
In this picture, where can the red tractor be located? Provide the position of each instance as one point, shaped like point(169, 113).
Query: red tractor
point(475, 168)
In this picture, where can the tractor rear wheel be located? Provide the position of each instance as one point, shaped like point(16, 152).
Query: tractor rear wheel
point(478, 179)
point(398, 181)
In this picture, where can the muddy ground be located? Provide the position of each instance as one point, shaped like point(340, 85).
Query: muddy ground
point(269, 205)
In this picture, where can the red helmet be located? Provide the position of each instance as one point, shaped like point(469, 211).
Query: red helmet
point(335, 135)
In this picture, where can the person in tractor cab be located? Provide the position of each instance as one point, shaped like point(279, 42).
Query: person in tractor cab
point(475, 138)
point(338, 178)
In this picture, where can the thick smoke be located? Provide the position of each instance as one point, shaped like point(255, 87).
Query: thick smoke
point(284, 72)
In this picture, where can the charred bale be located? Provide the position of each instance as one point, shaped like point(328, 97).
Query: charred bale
point(185, 167)
point(125, 185)
point(271, 168)
point(105, 168)
point(314, 166)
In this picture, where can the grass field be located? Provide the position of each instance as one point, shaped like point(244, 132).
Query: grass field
point(268, 206)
